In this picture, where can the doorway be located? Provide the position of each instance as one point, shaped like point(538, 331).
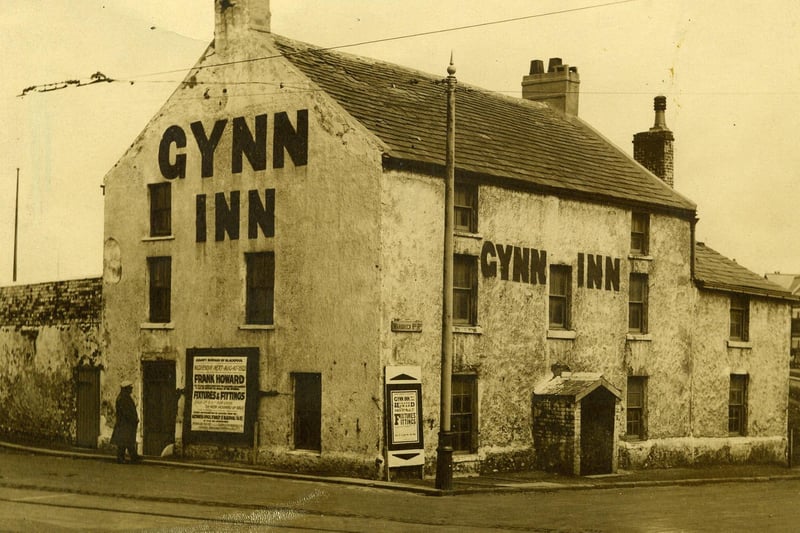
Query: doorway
point(597, 432)
point(159, 406)
point(88, 406)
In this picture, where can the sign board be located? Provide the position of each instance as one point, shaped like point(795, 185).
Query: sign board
point(221, 395)
point(403, 400)
point(407, 326)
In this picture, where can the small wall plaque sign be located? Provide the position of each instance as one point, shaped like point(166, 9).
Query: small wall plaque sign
point(407, 326)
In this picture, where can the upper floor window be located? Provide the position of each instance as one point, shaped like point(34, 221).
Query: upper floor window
point(637, 303)
point(640, 233)
point(740, 316)
point(160, 288)
point(465, 290)
point(260, 294)
point(160, 209)
point(560, 284)
point(466, 207)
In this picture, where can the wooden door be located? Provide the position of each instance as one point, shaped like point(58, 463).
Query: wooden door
point(88, 406)
point(159, 406)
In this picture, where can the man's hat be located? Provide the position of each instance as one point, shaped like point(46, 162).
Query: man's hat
point(125, 384)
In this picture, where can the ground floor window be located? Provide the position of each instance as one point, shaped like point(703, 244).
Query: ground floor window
point(737, 405)
point(307, 411)
point(635, 407)
point(463, 417)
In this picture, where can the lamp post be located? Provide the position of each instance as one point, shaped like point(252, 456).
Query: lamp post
point(444, 451)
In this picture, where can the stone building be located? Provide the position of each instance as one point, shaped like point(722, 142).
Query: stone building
point(273, 278)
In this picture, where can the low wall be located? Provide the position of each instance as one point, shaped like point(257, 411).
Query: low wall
point(701, 451)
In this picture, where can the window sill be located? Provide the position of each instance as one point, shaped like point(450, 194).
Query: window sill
point(566, 334)
point(644, 337)
point(640, 257)
point(465, 457)
point(632, 439)
point(745, 345)
point(157, 325)
point(159, 238)
point(469, 330)
point(257, 327)
point(308, 453)
point(467, 234)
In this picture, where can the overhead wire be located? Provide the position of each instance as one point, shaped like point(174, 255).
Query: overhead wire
point(132, 79)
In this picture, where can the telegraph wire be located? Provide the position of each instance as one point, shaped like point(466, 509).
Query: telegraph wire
point(62, 85)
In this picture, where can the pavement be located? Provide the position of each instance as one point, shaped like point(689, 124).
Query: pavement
point(529, 481)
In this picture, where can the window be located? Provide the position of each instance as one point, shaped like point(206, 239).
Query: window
point(560, 284)
point(463, 419)
point(737, 405)
point(160, 209)
point(160, 270)
point(740, 311)
point(307, 411)
point(465, 290)
point(635, 406)
point(640, 233)
point(637, 304)
point(466, 207)
point(260, 297)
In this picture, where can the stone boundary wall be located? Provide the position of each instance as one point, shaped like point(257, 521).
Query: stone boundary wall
point(52, 303)
point(47, 330)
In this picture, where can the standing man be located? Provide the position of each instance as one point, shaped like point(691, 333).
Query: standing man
point(124, 435)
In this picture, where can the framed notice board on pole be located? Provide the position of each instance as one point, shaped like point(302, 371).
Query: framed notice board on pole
point(403, 400)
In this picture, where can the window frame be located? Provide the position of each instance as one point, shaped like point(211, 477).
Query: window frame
point(469, 207)
point(642, 233)
point(159, 289)
point(636, 385)
point(739, 306)
point(642, 305)
point(259, 298)
point(309, 418)
point(464, 407)
point(565, 320)
point(737, 405)
point(471, 264)
point(158, 193)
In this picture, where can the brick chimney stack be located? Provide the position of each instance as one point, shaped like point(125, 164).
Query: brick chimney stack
point(234, 18)
point(653, 149)
point(559, 87)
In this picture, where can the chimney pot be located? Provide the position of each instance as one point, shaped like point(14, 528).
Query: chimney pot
point(653, 149)
point(537, 67)
point(559, 87)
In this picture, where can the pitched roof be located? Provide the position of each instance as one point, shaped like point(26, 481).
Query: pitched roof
point(576, 385)
point(712, 270)
point(496, 136)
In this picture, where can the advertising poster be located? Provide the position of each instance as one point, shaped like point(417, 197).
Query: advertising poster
point(405, 425)
point(219, 394)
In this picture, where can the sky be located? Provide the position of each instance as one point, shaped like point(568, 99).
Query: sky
point(730, 70)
